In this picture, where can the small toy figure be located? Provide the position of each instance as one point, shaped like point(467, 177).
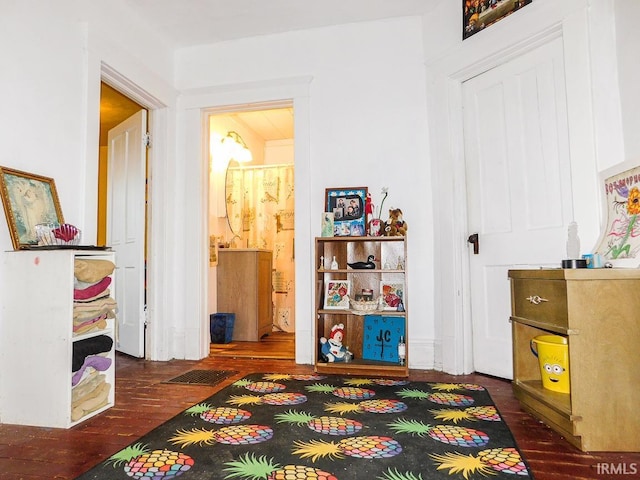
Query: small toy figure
point(362, 265)
point(395, 226)
point(331, 349)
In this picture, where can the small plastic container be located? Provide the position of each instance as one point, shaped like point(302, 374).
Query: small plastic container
point(553, 357)
point(221, 327)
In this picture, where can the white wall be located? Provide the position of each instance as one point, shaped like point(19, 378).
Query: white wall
point(367, 127)
point(628, 40)
point(586, 28)
point(50, 93)
point(363, 121)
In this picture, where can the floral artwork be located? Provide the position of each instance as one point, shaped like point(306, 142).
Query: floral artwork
point(336, 295)
point(621, 236)
point(392, 294)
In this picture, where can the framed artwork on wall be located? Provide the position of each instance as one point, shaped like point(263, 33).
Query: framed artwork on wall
point(347, 206)
point(28, 200)
point(479, 14)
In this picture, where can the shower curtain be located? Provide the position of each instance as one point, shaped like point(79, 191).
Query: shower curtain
point(268, 223)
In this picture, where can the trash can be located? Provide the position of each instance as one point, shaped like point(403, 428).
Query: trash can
point(221, 327)
point(553, 357)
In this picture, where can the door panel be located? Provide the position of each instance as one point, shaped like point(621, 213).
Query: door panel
point(518, 184)
point(126, 228)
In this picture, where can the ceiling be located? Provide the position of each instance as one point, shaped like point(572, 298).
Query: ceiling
point(195, 22)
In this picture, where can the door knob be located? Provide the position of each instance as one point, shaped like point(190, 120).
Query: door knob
point(473, 238)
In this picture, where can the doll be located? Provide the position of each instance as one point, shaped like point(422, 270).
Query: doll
point(331, 348)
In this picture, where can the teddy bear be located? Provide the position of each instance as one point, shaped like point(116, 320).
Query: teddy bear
point(395, 226)
point(331, 348)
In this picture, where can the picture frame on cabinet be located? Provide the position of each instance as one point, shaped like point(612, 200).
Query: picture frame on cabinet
point(479, 14)
point(336, 294)
point(392, 294)
point(347, 205)
point(619, 242)
point(28, 200)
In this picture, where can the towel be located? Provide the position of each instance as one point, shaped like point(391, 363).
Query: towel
point(93, 290)
point(92, 271)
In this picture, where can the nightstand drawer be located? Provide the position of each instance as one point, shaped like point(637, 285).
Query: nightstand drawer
point(540, 300)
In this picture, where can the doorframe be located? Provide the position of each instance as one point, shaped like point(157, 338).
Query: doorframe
point(194, 105)
point(454, 346)
point(154, 335)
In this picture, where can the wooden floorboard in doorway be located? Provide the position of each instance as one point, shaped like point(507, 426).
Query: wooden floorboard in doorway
point(276, 345)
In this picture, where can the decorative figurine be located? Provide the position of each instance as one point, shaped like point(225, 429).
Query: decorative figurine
point(395, 226)
point(362, 265)
point(402, 351)
point(331, 349)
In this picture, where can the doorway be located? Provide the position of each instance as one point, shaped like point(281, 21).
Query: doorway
point(251, 205)
point(121, 212)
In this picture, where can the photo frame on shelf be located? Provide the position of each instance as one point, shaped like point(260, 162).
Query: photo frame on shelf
point(392, 294)
point(347, 205)
point(28, 200)
point(479, 14)
point(336, 294)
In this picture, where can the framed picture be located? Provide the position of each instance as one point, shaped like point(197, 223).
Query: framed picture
point(619, 241)
point(392, 294)
point(381, 337)
point(336, 294)
point(28, 200)
point(347, 206)
point(479, 14)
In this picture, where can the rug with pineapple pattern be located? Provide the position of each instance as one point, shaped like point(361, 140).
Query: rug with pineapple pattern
point(324, 427)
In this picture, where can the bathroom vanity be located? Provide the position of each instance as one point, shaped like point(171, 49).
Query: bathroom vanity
point(245, 288)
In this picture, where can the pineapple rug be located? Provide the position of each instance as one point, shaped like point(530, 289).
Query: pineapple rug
point(323, 427)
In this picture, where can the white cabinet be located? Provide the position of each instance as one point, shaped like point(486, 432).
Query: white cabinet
point(37, 341)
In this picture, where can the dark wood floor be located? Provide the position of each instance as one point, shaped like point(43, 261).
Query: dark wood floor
point(143, 402)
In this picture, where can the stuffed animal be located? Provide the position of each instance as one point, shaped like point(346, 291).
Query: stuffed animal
point(331, 348)
point(395, 226)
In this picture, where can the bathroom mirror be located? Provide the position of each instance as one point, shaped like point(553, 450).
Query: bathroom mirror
point(234, 197)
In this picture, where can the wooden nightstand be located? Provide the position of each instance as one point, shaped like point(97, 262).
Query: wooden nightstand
point(598, 311)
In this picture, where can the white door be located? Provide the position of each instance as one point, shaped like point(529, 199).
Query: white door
point(126, 181)
point(519, 189)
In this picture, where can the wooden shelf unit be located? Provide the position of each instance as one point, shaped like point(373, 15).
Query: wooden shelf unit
point(387, 252)
point(597, 311)
point(36, 345)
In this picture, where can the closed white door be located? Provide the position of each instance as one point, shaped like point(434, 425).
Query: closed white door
point(126, 179)
point(519, 187)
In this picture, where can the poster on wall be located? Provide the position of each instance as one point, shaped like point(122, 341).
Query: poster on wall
point(620, 238)
point(479, 14)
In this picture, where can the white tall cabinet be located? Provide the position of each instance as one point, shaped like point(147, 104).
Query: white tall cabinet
point(36, 338)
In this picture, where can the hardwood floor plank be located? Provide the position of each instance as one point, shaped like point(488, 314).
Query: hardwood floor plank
point(143, 402)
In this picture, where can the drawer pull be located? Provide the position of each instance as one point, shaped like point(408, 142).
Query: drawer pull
point(536, 299)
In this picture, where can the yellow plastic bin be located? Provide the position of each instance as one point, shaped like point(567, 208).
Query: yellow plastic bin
point(553, 356)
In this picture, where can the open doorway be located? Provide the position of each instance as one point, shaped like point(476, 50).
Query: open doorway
point(122, 199)
point(251, 206)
